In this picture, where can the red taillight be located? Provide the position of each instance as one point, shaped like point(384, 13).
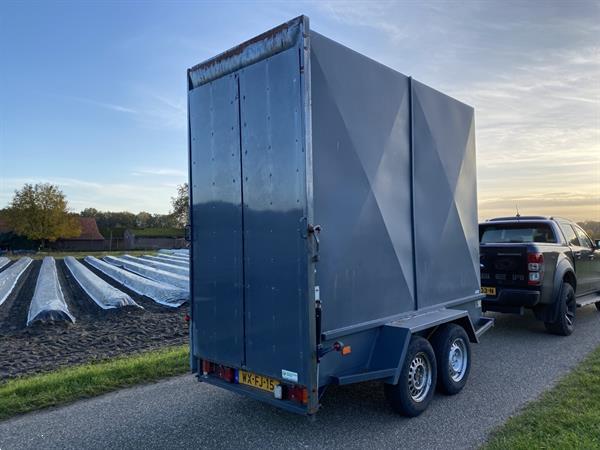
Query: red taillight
point(207, 367)
point(535, 267)
point(186, 317)
point(225, 373)
point(297, 393)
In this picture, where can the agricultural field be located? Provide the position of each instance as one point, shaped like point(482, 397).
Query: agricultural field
point(61, 311)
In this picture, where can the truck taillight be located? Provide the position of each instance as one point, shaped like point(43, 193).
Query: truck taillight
point(535, 267)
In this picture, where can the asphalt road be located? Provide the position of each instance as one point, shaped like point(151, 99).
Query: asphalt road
point(515, 362)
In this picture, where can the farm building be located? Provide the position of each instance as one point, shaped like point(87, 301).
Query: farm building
point(90, 238)
point(153, 238)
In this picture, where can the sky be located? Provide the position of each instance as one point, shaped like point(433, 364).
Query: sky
point(93, 94)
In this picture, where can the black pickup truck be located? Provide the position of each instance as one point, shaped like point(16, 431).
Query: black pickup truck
point(546, 264)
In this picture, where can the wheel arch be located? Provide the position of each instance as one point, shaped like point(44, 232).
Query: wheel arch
point(565, 272)
point(569, 277)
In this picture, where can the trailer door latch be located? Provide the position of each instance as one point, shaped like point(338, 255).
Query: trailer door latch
point(315, 230)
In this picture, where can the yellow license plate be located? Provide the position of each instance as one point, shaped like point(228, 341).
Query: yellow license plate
point(488, 290)
point(257, 381)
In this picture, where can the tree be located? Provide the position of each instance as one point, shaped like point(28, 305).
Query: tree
point(89, 212)
point(41, 213)
point(181, 205)
point(143, 219)
point(592, 228)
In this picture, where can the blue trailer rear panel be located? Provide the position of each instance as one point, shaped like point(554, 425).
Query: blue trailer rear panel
point(291, 130)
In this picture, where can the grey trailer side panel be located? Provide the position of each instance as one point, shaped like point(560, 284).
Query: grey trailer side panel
point(447, 247)
point(275, 252)
point(217, 218)
point(362, 186)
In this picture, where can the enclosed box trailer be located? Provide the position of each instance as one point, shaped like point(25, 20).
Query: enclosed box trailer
point(333, 225)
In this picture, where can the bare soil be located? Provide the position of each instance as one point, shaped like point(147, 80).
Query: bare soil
point(97, 334)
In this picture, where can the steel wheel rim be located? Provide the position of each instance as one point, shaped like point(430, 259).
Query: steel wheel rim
point(419, 377)
point(458, 359)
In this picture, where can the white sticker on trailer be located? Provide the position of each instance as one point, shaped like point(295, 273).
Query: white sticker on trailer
point(289, 375)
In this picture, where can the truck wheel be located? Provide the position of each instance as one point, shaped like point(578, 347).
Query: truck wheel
point(453, 355)
point(567, 306)
point(417, 381)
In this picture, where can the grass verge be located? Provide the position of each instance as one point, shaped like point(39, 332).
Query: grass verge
point(567, 416)
point(26, 394)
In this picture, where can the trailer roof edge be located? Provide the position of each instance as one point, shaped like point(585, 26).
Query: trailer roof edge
point(260, 47)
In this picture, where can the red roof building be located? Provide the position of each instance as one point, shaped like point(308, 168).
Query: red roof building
point(89, 230)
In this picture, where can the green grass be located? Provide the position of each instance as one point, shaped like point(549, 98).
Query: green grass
point(567, 416)
point(21, 395)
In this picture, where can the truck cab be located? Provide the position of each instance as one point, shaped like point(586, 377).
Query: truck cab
point(546, 264)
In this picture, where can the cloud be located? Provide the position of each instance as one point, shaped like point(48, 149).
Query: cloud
point(134, 197)
point(160, 172)
point(150, 110)
point(364, 14)
point(111, 106)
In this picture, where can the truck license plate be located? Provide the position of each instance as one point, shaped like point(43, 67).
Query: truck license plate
point(257, 381)
point(488, 290)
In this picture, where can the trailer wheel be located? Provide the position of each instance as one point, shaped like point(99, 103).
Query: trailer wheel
point(565, 322)
point(417, 381)
point(453, 354)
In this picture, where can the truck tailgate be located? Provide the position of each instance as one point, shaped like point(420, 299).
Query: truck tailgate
point(503, 266)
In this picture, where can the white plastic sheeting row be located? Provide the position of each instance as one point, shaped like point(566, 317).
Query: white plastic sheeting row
point(179, 270)
point(175, 262)
point(178, 252)
point(10, 277)
point(48, 302)
point(103, 294)
point(185, 259)
point(3, 261)
point(161, 276)
point(164, 294)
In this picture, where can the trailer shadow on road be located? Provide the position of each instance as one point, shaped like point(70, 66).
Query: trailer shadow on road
point(514, 363)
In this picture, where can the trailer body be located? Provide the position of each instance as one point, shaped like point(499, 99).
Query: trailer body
point(333, 215)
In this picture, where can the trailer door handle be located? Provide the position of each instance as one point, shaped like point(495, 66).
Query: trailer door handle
point(315, 231)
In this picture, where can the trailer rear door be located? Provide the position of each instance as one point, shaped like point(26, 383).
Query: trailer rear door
point(250, 252)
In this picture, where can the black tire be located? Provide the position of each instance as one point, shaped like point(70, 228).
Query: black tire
point(565, 322)
point(597, 305)
point(407, 397)
point(453, 355)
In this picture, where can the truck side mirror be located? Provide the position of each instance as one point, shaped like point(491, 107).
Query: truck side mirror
point(597, 242)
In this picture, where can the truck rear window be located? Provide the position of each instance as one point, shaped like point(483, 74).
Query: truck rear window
point(507, 233)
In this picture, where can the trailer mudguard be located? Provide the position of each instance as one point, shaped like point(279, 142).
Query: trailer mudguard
point(391, 341)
